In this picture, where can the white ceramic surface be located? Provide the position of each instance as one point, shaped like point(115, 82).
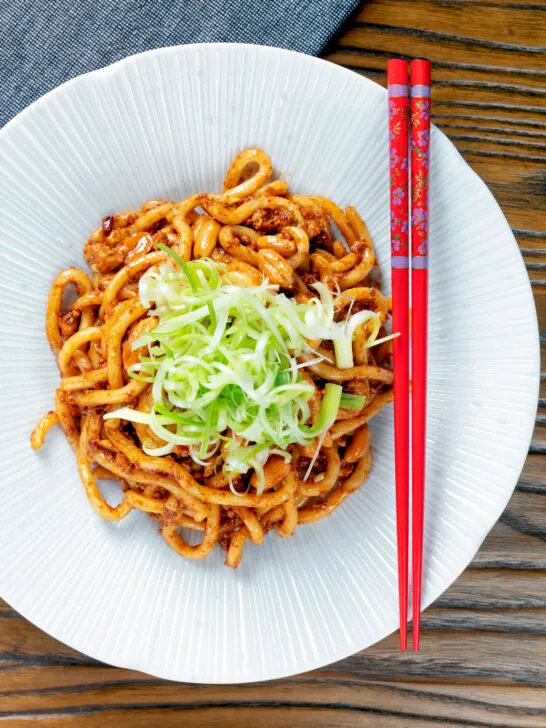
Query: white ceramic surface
point(166, 124)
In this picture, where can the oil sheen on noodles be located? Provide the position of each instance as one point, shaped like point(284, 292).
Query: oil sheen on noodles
point(255, 229)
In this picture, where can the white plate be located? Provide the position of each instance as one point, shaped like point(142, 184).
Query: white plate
point(166, 124)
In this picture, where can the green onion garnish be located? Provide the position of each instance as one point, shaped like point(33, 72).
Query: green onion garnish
point(352, 401)
point(223, 362)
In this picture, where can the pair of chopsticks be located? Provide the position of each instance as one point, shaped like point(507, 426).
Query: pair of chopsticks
point(412, 129)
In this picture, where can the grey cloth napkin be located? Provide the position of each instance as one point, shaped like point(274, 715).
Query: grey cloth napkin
point(46, 42)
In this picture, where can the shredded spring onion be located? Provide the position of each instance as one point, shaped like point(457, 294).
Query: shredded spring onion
point(223, 365)
point(352, 401)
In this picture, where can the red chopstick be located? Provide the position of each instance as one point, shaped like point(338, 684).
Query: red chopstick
point(397, 75)
point(420, 141)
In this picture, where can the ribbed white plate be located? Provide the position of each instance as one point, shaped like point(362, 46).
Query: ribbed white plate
point(166, 124)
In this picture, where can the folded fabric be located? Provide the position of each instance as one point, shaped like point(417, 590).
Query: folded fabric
point(46, 43)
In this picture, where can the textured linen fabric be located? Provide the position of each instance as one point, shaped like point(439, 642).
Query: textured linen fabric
point(46, 42)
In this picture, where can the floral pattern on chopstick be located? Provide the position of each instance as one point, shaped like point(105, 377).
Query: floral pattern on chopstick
point(398, 163)
point(420, 141)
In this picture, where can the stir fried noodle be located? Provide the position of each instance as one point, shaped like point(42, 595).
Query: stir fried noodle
point(222, 360)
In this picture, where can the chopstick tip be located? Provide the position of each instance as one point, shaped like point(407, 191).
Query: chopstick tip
point(397, 71)
point(420, 71)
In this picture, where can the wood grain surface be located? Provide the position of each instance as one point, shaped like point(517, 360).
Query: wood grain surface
point(483, 659)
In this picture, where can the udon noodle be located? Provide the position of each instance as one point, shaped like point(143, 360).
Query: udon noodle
point(255, 229)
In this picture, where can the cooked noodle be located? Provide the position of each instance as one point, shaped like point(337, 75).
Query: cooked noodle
point(255, 228)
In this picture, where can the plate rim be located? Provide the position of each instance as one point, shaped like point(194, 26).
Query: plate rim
point(303, 665)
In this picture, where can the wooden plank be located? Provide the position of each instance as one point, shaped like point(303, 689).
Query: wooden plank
point(531, 243)
point(475, 33)
point(526, 512)
point(508, 79)
point(461, 93)
point(498, 127)
point(106, 692)
point(21, 642)
point(501, 658)
point(540, 303)
point(537, 272)
point(514, 113)
point(531, 621)
point(538, 443)
point(497, 25)
point(250, 717)
point(506, 547)
point(495, 589)
point(533, 475)
point(515, 183)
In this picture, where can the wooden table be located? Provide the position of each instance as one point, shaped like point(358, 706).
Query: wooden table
point(483, 659)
